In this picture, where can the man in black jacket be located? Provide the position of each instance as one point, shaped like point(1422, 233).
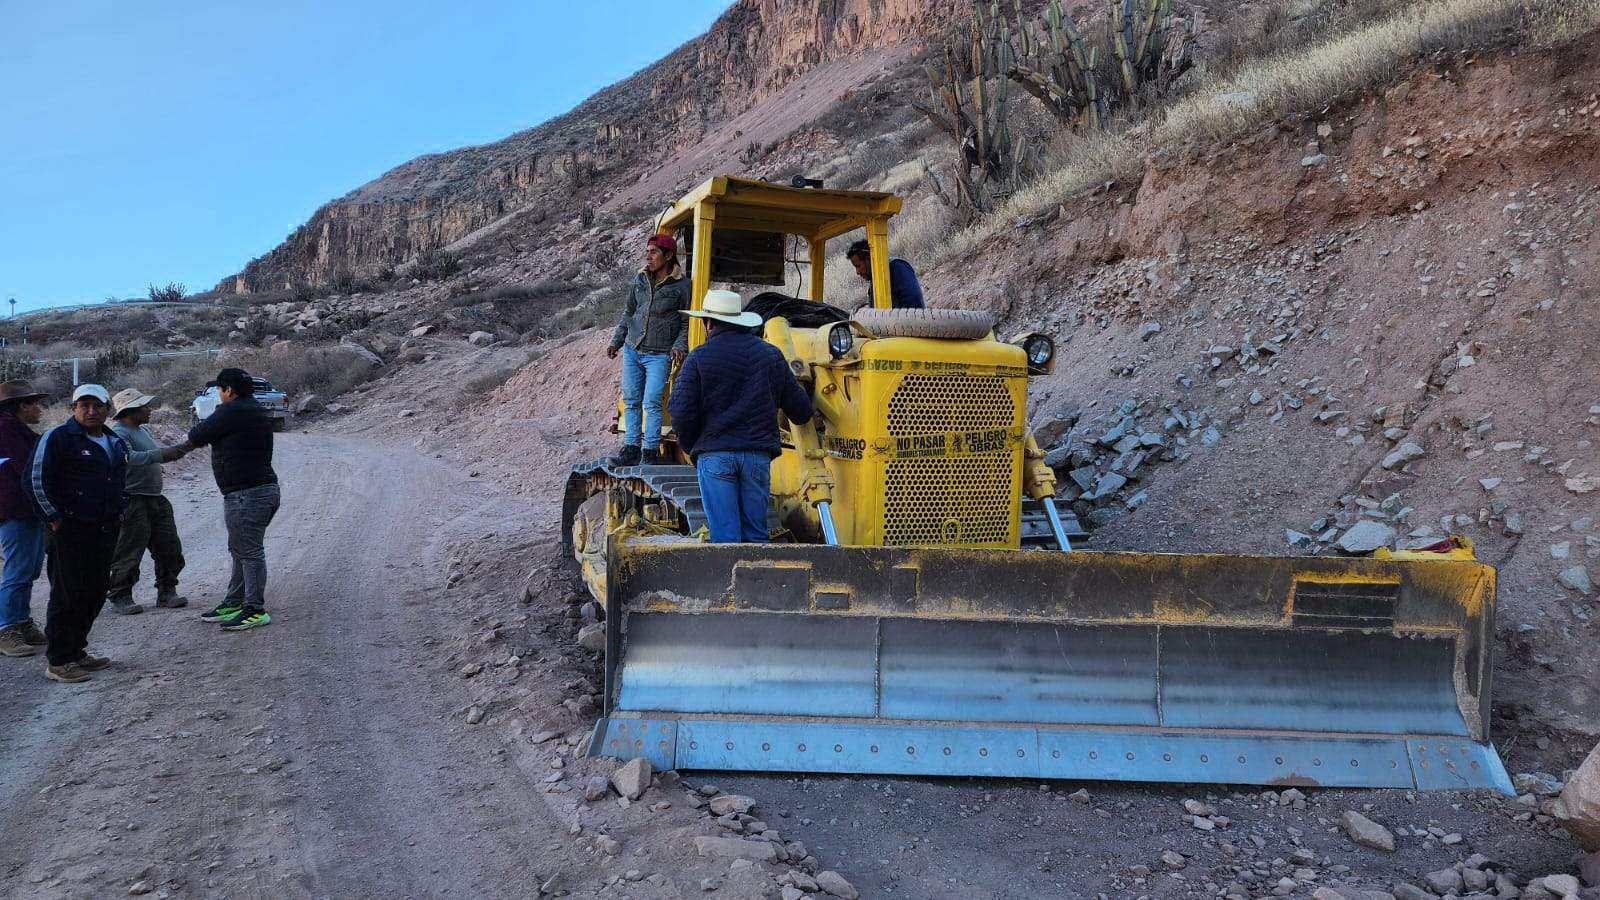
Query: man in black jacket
point(76, 480)
point(724, 408)
point(239, 433)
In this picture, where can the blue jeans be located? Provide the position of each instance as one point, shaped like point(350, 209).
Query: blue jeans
point(22, 541)
point(644, 380)
point(734, 486)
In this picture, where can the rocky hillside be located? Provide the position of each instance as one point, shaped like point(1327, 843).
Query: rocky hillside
point(754, 51)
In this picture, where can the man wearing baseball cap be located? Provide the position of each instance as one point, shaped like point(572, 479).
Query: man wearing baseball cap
point(148, 522)
point(239, 434)
point(76, 480)
point(650, 337)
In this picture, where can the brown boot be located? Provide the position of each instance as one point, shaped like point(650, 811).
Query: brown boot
point(67, 673)
point(91, 663)
point(32, 634)
point(14, 641)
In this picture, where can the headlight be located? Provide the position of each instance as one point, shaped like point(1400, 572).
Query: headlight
point(1040, 350)
point(840, 339)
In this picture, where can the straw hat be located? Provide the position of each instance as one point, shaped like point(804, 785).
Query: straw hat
point(725, 306)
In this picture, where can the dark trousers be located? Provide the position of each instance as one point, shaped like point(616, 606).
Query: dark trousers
point(148, 523)
point(80, 566)
point(247, 514)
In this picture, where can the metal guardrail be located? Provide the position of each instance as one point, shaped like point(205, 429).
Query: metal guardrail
point(81, 306)
point(153, 354)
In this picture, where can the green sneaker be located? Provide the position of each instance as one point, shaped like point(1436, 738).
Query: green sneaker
point(246, 620)
point(225, 611)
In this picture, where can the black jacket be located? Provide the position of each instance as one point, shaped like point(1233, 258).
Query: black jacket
point(71, 476)
point(650, 320)
point(728, 394)
point(240, 435)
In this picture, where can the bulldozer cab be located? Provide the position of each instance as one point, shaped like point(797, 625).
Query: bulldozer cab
point(739, 230)
point(922, 608)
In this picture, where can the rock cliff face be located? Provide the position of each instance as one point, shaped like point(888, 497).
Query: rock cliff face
point(751, 53)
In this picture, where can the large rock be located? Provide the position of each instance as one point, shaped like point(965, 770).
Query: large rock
point(731, 803)
point(310, 403)
point(633, 778)
point(736, 848)
point(1590, 869)
point(1577, 579)
point(1366, 832)
point(357, 350)
point(480, 339)
point(1561, 885)
point(1366, 536)
point(836, 885)
point(593, 637)
point(1579, 806)
point(1399, 456)
point(1443, 881)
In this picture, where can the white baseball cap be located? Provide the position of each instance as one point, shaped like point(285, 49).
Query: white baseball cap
point(91, 390)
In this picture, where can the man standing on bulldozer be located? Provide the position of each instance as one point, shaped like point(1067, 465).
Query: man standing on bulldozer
point(651, 337)
point(905, 291)
point(725, 409)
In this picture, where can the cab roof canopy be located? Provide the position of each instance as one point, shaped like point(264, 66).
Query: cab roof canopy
point(751, 205)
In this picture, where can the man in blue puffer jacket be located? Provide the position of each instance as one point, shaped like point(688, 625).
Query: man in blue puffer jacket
point(77, 480)
point(724, 407)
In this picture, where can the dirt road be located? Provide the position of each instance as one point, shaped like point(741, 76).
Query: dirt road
point(306, 759)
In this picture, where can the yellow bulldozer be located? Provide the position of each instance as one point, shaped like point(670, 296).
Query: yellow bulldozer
point(921, 609)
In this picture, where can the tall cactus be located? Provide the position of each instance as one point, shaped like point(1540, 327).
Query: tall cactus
point(1057, 65)
point(970, 95)
point(1139, 38)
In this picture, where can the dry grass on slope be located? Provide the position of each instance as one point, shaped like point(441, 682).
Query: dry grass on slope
point(1307, 78)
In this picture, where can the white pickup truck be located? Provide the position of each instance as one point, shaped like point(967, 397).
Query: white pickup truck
point(276, 401)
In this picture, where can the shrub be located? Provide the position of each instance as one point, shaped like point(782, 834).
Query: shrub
point(15, 365)
point(116, 358)
point(436, 264)
point(299, 370)
point(172, 293)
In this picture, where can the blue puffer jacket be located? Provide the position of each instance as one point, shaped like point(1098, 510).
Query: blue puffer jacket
point(70, 475)
point(728, 394)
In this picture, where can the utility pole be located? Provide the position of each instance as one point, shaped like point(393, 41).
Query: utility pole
point(13, 307)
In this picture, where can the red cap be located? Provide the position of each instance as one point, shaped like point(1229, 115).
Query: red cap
point(665, 242)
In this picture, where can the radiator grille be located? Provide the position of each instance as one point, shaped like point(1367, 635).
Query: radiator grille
point(950, 500)
point(939, 404)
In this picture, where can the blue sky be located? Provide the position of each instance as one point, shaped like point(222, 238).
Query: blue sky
point(174, 141)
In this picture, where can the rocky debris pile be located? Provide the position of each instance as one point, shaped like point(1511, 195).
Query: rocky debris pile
point(296, 316)
point(1103, 463)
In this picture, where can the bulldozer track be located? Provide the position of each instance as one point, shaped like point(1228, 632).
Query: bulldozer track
point(678, 487)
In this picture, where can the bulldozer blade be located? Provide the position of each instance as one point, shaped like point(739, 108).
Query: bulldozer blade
point(1121, 666)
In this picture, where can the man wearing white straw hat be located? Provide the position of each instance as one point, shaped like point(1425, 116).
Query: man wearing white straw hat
point(724, 407)
point(148, 523)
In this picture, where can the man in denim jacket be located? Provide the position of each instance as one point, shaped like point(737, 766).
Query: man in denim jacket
point(650, 337)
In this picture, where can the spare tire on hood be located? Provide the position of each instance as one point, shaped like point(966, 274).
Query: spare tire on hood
point(950, 324)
